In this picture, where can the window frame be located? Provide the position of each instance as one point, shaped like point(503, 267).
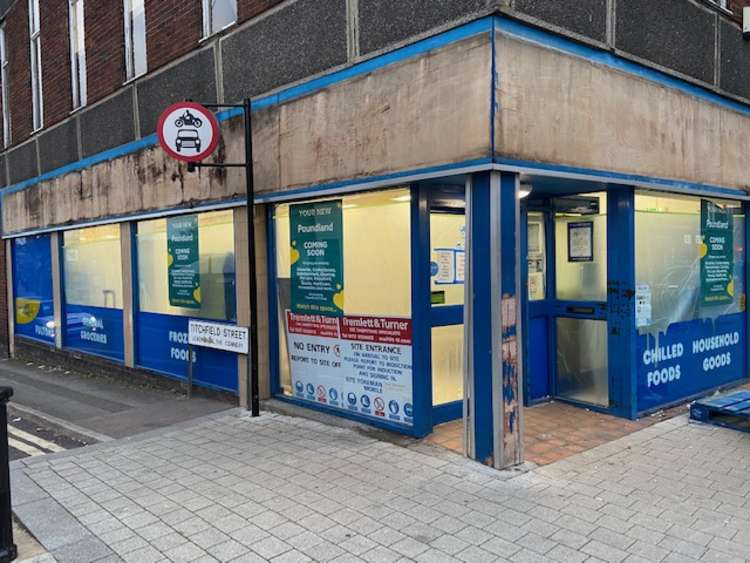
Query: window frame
point(35, 52)
point(208, 18)
point(77, 36)
point(130, 40)
point(4, 64)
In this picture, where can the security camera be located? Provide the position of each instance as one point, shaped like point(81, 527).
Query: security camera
point(746, 23)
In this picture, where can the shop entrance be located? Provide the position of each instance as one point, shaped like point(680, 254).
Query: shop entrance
point(564, 241)
point(446, 206)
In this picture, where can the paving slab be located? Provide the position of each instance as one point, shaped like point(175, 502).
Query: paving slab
point(279, 488)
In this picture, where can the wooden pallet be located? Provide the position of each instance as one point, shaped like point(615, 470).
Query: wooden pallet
point(729, 411)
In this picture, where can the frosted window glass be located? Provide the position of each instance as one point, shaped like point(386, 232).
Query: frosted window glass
point(582, 281)
point(93, 266)
point(667, 240)
point(447, 364)
point(217, 267)
point(582, 373)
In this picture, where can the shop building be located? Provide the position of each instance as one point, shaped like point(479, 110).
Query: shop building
point(463, 208)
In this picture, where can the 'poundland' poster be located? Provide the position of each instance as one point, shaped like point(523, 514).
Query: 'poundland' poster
point(317, 258)
point(183, 262)
point(717, 254)
point(354, 363)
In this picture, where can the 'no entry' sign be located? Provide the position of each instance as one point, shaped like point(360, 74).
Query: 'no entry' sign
point(188, 131)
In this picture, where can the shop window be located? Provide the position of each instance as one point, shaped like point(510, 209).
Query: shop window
point(215, 268)
point(186, 269)
point(32, 288)
point(92, 268)
point(690, 295)
point(343, 287)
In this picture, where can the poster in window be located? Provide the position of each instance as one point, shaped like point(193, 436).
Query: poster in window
point(581, 241)
point(183, 271)
point(716, 254)
point(317, 258)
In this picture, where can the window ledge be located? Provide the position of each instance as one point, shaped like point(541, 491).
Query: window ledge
point(718, 8)
point(218, 33)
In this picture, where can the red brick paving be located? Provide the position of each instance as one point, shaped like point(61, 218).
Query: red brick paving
point(554, 430)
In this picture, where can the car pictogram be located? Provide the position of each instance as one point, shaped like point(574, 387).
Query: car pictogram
point(188, 138)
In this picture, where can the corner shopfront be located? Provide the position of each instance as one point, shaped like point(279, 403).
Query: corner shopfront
point(632, 299)
point(448, 294)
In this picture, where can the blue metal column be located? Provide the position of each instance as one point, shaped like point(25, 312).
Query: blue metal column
point(492, 320)
point(621, 348)
point(478, 313)
point(420, 312)
point(508, 385)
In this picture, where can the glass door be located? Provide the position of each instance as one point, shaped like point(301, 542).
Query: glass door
point(581, 370)
point(447, 233)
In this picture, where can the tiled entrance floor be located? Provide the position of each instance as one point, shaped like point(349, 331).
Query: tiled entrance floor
point(557, 430)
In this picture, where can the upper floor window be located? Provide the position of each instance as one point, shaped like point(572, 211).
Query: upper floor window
point(4, 86)
point(36, 65)
point(218, 14)
point(77, 52)
point(135, 38)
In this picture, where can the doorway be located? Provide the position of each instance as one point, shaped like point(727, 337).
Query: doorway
point(564, 241)
point(445, 226)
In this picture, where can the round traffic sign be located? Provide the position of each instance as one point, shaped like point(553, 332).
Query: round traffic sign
point(188, 131)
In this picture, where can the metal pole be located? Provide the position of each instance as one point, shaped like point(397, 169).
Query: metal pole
point(252, 393)
point(8, 551)
point(190, 372)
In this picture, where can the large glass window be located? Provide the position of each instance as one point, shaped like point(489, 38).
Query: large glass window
point(35, 44)
point(356, 356)
point(135, 38)
point(32, 288)
point(216, 268)
point(77, 52)
point(668, 260)
point(92, 267)
point(689, 297)
point(186, 269)
point(218, 14)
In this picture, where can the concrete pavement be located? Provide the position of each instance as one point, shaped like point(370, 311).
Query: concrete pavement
point(93, 406)
point(231, 488)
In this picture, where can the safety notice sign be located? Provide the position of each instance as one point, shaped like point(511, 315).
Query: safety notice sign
point(359, 364)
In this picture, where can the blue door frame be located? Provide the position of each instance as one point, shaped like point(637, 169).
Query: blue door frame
point(618, 309)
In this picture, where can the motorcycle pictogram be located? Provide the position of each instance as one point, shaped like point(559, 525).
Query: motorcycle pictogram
point(188, 118)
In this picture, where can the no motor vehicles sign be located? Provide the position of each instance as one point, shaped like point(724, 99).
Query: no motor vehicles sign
point(188, 131)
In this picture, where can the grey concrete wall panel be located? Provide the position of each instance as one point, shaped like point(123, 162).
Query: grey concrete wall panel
point(109, 124)
point(4, 5)
point(676, 34)
point(2, 174)
point(58, 146)
point(304, 38)
point(194, 78)
point(22, 162)
point(585, 17)
point(384, 22)
point(735, 54)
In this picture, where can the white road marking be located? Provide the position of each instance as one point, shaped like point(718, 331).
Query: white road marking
point(24, 447)
point(38, 440)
